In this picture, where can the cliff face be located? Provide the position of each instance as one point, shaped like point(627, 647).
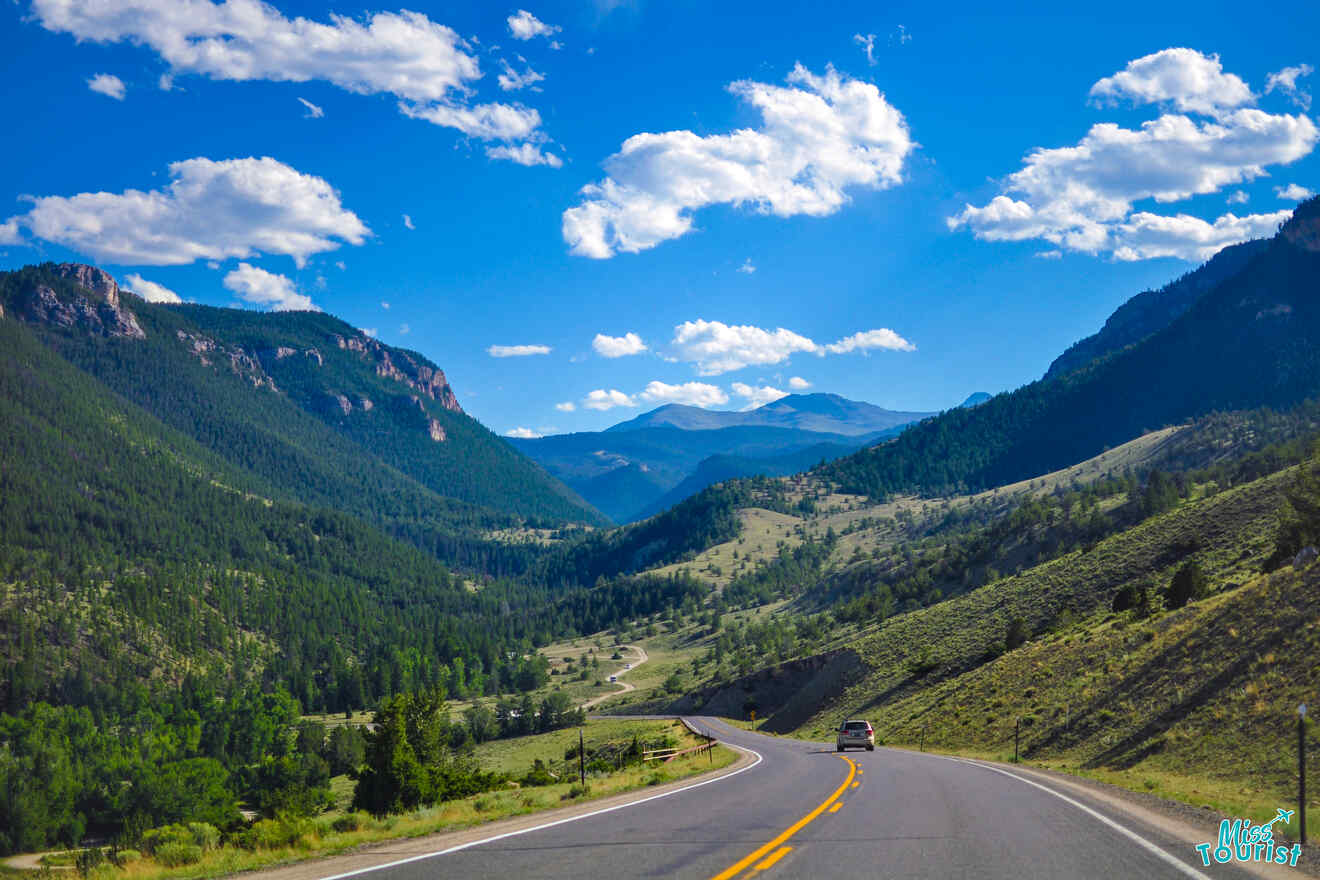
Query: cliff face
point(1303, 228)
point(96, 309)
point(403, 368)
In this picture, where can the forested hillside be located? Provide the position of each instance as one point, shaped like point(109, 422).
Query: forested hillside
point(1252, 340)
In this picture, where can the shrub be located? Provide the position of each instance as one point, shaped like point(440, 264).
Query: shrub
point(576, 791)
point(173, 855)
point(202, 835)
point(273, 833)
point(348, 822)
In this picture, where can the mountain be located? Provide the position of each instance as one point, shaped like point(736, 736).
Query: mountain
point(822, 413)
point(303, 405)
point(1154, 310)
point(639, 467)
point(974, 399)
point(1251, 340)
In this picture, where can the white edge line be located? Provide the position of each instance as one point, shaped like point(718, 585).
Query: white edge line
point(1155, 850)
point(654, 797)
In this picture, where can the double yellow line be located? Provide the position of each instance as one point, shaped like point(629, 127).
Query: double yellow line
point(738, 866)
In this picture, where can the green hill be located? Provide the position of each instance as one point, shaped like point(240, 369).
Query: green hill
point(1251, 340)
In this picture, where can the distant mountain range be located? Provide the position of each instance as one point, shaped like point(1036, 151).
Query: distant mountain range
point(639, 467)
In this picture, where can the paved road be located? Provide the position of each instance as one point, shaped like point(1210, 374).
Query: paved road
point(618, 676)
point(899, 814)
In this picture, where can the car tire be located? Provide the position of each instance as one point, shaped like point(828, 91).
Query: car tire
point(838, 748)
point(870, 748)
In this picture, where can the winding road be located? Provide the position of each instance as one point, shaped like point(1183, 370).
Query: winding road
point(800, 810)
point(618, 678)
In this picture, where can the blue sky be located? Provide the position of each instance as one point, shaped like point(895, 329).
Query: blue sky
point(900, 203)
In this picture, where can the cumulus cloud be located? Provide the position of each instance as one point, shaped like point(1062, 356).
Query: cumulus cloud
point(757, 396)
point(107, 84)
point(425, 65)
point(618, 346)
point(689, 393)
point(505, 122)
point(819, 137)
point(525, 154)
point(1238, 197)
point(600, 399)
point(371, 331)
point(523, 433)
point(525, 26)
point(1144, 235)
point(1293, 192)
point(1190, 81)
point(408, 222)
point(566, 406)
point(404, 329)
point(209, 211)
point(1285, 81)
point(869, 339)
point(150, 290)
point(1081, 198)
point(511, 80)
point(505, 351)
point(259, 287)
point(9, 233)
point(714, 347)
point(797, 383)
point(313, 111)
point(747, 268)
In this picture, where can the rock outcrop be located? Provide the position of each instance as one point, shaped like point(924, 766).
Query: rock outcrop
point(402, 368)
point(1303, 228)
point(99, 311)
point(239, 360)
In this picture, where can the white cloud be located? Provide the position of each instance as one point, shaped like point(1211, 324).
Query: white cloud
point(868, 46)
point(900, 37)
point(511, 80)
point(166, 83)
point(340, 265)
point(757, 396)
point(715, 347)
point(566, 406)
point(385, 305)
point(107, 84)
point(600, 399)
point(525, 26)
point(819, 137)
point(371, 331)
point(618, 346)
point(1190, 81)
point(209, 211)
point(404, 329)
point(505, 351)
point(1293, 192)
point(523, 433)
point(505, 122)
point(747, 268)
point(1053, 254)
point(9, 233)
point(407, 222)
point(257, 286)
point(1144, 235)
point(1238, 197)
point(1286, 82)
point(313, 111)
point(689, 393)
point(797, 383)
point(525, 154)
point(1081, 198)
point(150, 290)
point(424, 64)
point(869, 339)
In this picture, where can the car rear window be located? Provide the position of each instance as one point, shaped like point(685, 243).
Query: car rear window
point(856, 725)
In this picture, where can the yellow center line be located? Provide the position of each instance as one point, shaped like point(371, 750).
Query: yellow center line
point(778, 854)
point(797, 826)
point(837, 806)
point(855, 784)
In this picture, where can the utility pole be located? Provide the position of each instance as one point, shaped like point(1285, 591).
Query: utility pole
point(1017, 729)
point(923, 737)
point(1301, 770)
point(582, 758)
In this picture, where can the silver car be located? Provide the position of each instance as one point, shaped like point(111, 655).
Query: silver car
point(858, 734)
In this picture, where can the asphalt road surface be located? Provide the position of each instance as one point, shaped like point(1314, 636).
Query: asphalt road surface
point(804, 811)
